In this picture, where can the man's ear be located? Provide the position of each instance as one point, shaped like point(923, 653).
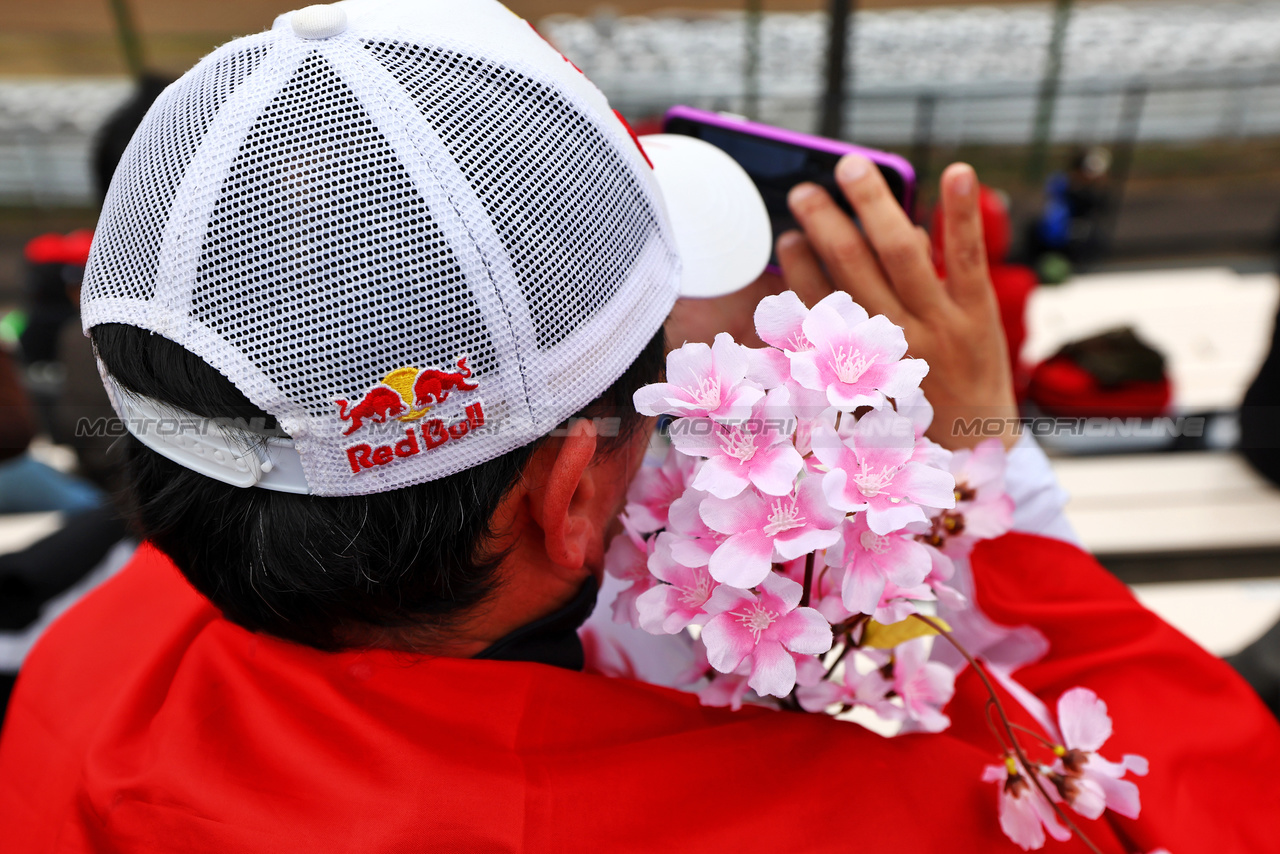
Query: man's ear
point(560, 502)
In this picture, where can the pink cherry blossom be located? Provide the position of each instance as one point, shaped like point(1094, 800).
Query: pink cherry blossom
point(872, 560)
point(917, 409)
point(757, 451)
point(870, 468)
point(941, 570)
point(925, 686)
point(898, 603)
point(985, 510)
point(654, 488)
point(692, 542)
point(856, 360)
point(765, 627)
point(627, 560)
point(768, 367)
point(701, 380)
point(712, 688)
point(762, 529)
point(1024, 813)
point(809, 669)
point(726, 689)
point(679, 602)
point(780, 322)
point(852, 689)
point(1088, 782)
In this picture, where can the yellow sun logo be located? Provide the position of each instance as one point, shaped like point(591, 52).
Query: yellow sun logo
point(401, 379)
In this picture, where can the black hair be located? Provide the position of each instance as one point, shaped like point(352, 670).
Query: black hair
point(322, 571)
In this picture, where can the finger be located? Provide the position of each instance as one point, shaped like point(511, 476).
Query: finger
point(801, 268)
point(891, 234)
point(843, 251)
point(965, 253)
point(924, 240)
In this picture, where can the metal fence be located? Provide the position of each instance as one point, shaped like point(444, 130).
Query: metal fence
point(1159, 70)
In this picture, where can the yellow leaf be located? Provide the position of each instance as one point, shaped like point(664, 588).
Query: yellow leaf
point(880, 636)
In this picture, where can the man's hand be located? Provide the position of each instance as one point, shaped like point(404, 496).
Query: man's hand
point(954, 324)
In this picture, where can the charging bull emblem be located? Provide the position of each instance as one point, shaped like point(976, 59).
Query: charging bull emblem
point(405, 394)
point(432, 386)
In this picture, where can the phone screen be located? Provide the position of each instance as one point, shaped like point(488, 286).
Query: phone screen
point(777, 166)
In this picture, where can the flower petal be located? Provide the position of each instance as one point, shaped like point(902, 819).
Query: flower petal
point(743, 560)
point(654, 606)
point(805, 370)
point(767, 366)
point(722, 476)
point(774, 470)
point(727, 642)
point(779, 321)
point(652, 399)
point(773, 670)
point(731, 361)
point(745, 512)
point(925, 485)
point(1121, 795)
point(1083, 719)
point(786, 591)
point(863, 586)
point(884, 518)
point(689, 364)
point(804, 630)
point(903, 377)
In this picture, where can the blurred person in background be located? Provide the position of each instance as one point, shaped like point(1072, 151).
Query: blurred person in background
point(1068, 232)
point(80, 412)
point(26, 484)
point(1260, 445)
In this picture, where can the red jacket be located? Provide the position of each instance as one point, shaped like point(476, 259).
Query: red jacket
point(144, 721)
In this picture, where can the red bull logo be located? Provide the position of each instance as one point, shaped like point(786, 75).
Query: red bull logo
point(405, 394)
point(408, 394)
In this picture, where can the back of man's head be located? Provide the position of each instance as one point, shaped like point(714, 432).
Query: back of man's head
point(349, 272)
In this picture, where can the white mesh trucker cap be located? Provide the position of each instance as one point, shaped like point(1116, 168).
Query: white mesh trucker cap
point(409, 230)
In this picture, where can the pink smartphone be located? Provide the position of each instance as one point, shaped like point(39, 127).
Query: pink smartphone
point(778, 159)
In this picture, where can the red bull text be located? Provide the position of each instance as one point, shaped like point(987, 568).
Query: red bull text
point(428, 436)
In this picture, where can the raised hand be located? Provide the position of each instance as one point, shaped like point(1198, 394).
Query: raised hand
point(954, 324)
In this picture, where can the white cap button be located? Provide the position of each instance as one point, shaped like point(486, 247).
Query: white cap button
point(319, 22)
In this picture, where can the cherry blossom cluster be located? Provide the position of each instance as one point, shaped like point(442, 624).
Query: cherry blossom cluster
point(1078, 776)
point(799, 514)
point(803, 531)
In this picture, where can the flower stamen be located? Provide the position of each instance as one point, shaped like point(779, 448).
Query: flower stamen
point(783, 516)
point(850, 365)
point(707, 394)
point(871, 483)
point(874, 543)
point(737, 443)
point(756, 618)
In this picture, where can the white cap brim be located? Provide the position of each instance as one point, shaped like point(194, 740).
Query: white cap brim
point(721, 227)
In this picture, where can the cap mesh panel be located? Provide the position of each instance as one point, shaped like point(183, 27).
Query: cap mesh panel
point(286, 278)
point(127, 239)
point(568, 209)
